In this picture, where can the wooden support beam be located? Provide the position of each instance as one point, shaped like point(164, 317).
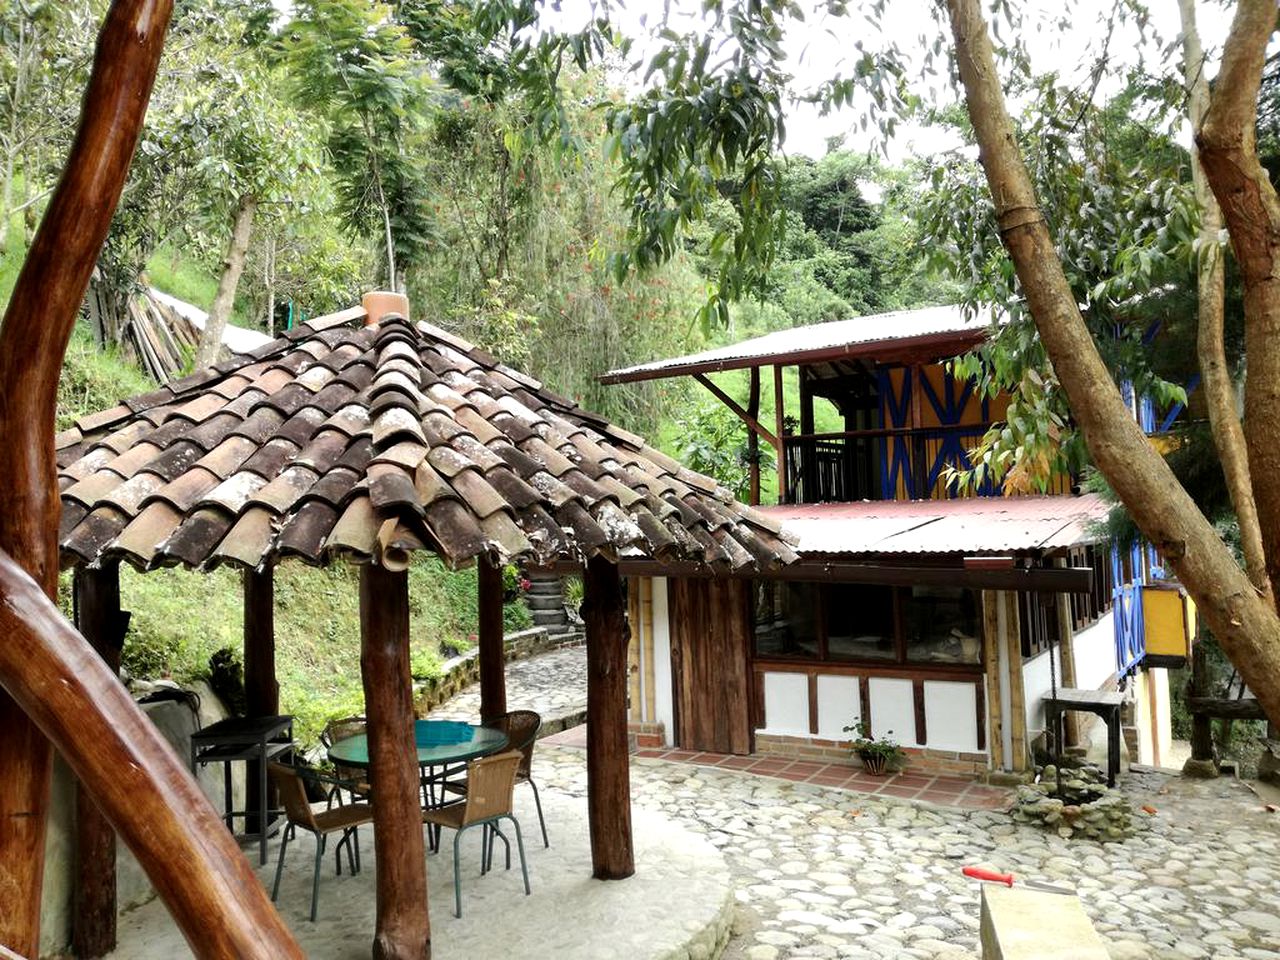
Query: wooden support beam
point(991, 665)
point(1201, 723)
point(608, 763)
point(753, 439)
point(747, 417)
point(93, 923)
point(779, 421)
point(1067, 656)
point(147, 793)
point(261, 691)
point(1017, 693)
point(493, 678)
point(402, 927)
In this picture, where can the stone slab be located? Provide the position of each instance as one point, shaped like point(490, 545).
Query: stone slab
point(1021, 924)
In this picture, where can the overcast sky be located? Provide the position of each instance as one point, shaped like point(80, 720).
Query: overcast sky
point(817, 49)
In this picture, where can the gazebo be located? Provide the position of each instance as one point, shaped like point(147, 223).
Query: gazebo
point(363, 437)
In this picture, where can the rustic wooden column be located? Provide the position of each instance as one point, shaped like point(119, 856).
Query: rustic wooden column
point(778, 417)
point(100, 620)
point(753, 439)
point(1201, 723)
point(608, 764)
point(403, 930)
point(261, 691)
point(493, 680)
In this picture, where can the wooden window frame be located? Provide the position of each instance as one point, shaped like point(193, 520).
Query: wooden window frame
point(883, 665)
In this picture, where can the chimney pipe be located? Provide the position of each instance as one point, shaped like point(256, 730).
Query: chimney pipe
point(378, 303)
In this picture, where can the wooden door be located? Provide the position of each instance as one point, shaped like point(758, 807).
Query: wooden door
point(710, 630)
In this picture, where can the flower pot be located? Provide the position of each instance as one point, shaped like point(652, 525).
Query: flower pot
point(873, 763)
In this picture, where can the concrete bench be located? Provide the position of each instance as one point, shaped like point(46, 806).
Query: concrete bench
point(1020, 924)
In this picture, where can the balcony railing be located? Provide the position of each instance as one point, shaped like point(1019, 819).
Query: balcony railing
point(891, 464)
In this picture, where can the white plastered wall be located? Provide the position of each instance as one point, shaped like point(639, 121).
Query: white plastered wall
point(663, 696)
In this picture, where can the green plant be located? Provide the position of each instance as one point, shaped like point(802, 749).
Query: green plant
point(882, 752)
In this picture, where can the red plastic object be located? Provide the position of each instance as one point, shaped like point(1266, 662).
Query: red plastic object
point(980, 874)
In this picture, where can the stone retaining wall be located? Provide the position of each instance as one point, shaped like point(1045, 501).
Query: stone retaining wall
point(462, 671)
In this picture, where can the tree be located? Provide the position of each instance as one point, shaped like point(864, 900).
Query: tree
point(1241, 617)
point(352, 62)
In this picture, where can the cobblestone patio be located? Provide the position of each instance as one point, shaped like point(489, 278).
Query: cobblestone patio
point(827, 873)
point(554, 684)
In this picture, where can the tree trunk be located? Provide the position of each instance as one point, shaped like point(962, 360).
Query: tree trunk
point(403, 929)
point(608, 762)
point(33, 340)
point(269, 281)
point(224, 300)
point(1219, 387)
point(1229, 157)
point(146, 792)
point(1246, 626)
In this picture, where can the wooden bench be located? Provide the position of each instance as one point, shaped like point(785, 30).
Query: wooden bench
point(1105, 703)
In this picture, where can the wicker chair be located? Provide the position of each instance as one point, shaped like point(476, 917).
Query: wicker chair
point(347, 819)
point(491, 783)
point(521, 728)
point(355, 780)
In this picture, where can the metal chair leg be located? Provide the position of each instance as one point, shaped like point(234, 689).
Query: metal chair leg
point(457, 877)
point(496, 831)
point(524, 868)
point(285, 837)
point(537, 800)
point(315, 879)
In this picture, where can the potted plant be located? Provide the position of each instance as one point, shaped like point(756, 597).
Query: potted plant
point(877, 755)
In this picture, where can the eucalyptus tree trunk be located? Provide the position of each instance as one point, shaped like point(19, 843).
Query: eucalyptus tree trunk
point(1219, 387)
point(1244, 622)
point(232, 266)
point(1229, 157)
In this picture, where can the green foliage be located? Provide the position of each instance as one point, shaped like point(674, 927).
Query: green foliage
point(94, 379)
point(1122, 251)
point(713, 441)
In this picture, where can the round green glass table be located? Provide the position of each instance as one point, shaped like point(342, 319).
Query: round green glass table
point(439, 742)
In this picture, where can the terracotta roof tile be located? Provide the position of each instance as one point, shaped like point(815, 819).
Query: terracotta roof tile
point(368, 443)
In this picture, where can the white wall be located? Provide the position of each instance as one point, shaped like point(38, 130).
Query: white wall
point(663, 695)
point(839, 706)
point(893, 710)
point(1095, 661)
point(951, 715)
point(786, 704)
point(1095, 653)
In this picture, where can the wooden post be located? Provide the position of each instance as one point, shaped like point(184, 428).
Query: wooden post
point(100, 620)
point(753, 439)
point(403, 930)
point(608, 773)
point(261, 692)
point(808, 453)
point(991, 664)
point(1201, 723)
point(778, 418)
point(37, 327)
point(1067, 659)
point(493, 680)
point(1017, 693)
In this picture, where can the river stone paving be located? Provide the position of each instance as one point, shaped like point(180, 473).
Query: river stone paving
point(823, 873)
point(553, 684)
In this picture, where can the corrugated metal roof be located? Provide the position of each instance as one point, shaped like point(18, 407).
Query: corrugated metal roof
point(838, 337)
point(972, 526)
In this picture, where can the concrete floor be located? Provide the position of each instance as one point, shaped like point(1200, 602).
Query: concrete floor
point(681, 894)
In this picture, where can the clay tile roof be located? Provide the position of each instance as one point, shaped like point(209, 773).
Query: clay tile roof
point(367, 442)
